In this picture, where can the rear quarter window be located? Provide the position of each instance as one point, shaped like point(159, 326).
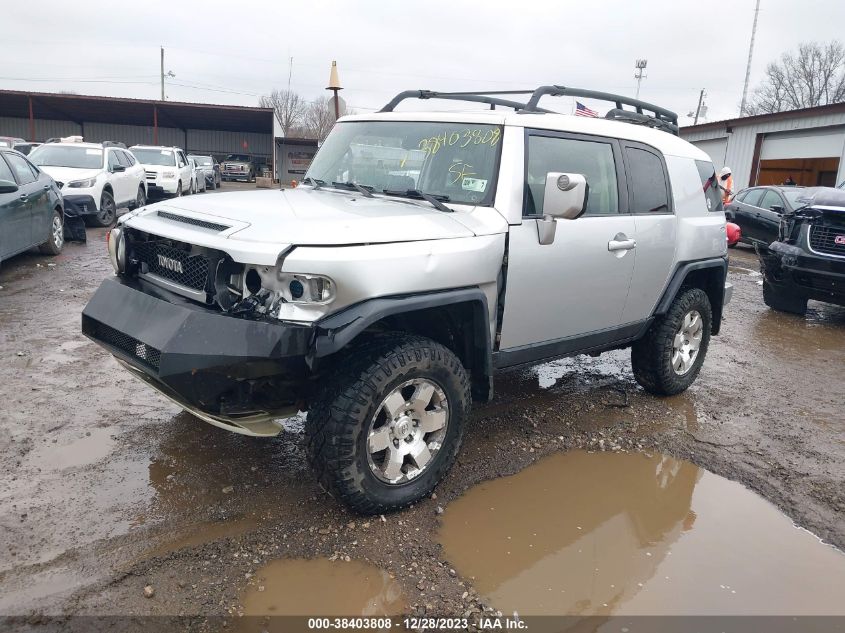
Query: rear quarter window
point(710, 184)
point(647, 179)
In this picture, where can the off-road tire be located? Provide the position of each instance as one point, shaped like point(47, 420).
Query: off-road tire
point(107, 213)
point(782, 301)
point(339, 419)
point(651, 356)
point(54, 243)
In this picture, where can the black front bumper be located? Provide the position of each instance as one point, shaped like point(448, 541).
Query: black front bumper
point(225, 368)
point(804, 273)
point(80, 205)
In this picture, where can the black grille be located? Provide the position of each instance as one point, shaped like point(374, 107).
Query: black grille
point(146, 354)
point(178, 266)
point(823, 239)
point(193, 221)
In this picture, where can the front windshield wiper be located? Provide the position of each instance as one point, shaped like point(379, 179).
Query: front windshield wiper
point(316, 182)
point(434, 200)
point(364, 190)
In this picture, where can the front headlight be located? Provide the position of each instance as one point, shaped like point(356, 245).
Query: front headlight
point(116, 243)
point(83, 184)
point(168, 174)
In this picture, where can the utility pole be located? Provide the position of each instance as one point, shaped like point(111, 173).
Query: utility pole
point(698, 109)
point(162, 73)
point(748, 65)
point(169, 73)
point(639, 73)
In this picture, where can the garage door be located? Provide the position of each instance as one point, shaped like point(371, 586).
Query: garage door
point(817, 143)
point(715, 149)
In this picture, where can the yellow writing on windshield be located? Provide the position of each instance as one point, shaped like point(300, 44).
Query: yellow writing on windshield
point(460, 138)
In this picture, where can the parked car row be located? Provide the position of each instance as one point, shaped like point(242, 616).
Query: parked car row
point(44, 187)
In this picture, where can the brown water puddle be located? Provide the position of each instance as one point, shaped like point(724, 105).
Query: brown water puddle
point(322, 587)
point(604, 533)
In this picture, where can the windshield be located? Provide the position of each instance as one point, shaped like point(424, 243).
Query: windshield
point(154, 156)
point(456, 160)
point(64, 156)
point(241, 157)
point(201, 160)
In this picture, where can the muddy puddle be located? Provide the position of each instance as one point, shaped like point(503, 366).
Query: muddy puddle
point(317, 587)
point(605, 533)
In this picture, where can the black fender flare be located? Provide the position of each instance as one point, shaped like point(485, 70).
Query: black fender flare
point(716, 294)
point(334, 332)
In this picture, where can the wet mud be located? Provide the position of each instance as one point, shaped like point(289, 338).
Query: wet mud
point(106, 488)
point(629, 534)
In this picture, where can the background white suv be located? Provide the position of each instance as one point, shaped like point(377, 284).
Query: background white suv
point(96, 179)
point(167, 169)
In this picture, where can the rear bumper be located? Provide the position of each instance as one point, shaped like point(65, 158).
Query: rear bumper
point(236, 373)
point(803, 273)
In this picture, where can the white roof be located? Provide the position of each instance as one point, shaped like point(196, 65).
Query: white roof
point(664, 141)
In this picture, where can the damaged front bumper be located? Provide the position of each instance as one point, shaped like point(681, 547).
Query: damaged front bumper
point(804, 273)
point(236, 373)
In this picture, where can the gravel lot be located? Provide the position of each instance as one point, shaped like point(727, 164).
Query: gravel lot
point(107, 488)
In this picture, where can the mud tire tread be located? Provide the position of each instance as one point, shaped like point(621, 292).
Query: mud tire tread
point(344, 404)
point(651, 356)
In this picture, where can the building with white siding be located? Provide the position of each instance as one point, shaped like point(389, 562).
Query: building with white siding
point(806, 145)
point(199, 128)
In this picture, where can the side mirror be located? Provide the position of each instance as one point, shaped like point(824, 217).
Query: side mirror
point(777, 208)
point(7, 186)
point(116, 168)
point(565, 195)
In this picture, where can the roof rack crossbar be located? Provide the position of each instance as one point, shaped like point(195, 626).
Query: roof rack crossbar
point(475, 97)
point(661, 118)
point(644, 113)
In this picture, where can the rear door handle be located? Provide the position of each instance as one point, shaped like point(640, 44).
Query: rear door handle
point(621, 245)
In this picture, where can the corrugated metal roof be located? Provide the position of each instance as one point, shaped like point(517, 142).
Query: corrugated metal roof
point(174, 114)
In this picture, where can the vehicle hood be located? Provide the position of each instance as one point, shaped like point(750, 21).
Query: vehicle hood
point(304, 216)
point(67, 174)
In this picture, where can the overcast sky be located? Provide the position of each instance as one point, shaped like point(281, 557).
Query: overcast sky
point(232, 52)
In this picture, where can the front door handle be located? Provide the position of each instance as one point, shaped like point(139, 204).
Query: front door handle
point(23, 196)
point(621, 244)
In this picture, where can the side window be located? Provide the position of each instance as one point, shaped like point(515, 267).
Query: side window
point(5, 172)
point(25, 174)
point(753, 197)
point(129, 158)
point(647, 182)
point(113, 160)
point(180, 158)
point(710, 184)
point(592, 158)
point(122, 159)
point(770, 199)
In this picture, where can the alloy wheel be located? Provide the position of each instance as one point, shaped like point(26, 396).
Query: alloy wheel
point(407, 431)
point(687, 342)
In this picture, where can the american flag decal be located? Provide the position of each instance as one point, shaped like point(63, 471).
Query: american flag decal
point(582, 110)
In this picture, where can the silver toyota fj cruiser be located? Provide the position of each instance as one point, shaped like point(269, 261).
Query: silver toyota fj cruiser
point(423, 252)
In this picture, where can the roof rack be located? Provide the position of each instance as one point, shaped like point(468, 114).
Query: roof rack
point(643, 114)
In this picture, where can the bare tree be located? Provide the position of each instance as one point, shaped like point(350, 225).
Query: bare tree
point(813, 75)
point(319, 117)
point(289, 107)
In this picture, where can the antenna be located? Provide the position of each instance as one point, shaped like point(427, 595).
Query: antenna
point(748, 65)
point(639, 72)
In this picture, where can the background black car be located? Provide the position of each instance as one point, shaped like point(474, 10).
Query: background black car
point(758, 211)
point(31, 208)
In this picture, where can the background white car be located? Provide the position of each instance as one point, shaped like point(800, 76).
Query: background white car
point(167, 170)
point(95, 179)
point(198, 182)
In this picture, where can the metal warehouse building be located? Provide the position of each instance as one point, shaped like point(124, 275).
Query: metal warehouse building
point(807, 145)
point(198, 128)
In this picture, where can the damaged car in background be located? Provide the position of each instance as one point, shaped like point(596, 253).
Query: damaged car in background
point(807, 261)
point(423, 251)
